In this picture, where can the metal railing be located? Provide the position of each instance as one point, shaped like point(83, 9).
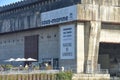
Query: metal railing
point(28, 71)
point(73, 69)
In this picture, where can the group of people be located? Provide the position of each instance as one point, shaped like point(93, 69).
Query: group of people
point(26, 67)
point(32, 67)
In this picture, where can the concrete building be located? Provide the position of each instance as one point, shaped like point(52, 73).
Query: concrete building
point(76, 34)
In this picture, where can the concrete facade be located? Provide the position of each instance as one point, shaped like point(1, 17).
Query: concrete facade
point(94, 22)
point(14, 43)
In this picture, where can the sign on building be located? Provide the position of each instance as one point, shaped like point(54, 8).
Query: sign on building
point(59, 16)
point(67, 42)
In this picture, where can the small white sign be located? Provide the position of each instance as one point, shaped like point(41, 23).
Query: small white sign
point(59, 16)
point(67, 42)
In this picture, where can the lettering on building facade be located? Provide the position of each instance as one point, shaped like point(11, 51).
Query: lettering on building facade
point(67, 42)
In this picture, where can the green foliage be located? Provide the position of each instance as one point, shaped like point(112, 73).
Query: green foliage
point(36, 67)
point(64, 76)
point(8, 66)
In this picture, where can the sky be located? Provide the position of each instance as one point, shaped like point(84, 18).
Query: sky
point(5, 2)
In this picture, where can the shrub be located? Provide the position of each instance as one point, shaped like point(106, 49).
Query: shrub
point(64, 76)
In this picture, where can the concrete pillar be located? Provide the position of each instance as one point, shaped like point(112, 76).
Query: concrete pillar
point(80, 47)
point(86, 42)
point(93, 46)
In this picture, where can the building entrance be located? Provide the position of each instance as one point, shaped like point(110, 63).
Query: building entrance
point(109, 57)
point(31, 47)
point(53, 63)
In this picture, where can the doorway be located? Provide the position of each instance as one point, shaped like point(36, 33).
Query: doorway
point(55, 63)
point(31, 47)
point(109, 57)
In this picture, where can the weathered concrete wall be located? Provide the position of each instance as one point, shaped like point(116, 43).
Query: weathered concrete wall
point(29, 16)
point(102, 2)
point(93, 46)
point(48, 42)
point(80, 47)
point(12, 45)
point(26, 14)
point(110, 33)
point(93, 11)
point(102, 13)
point(87, 12)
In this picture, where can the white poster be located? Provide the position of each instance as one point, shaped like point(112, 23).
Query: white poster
point(67, 42)
point(59, 15)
